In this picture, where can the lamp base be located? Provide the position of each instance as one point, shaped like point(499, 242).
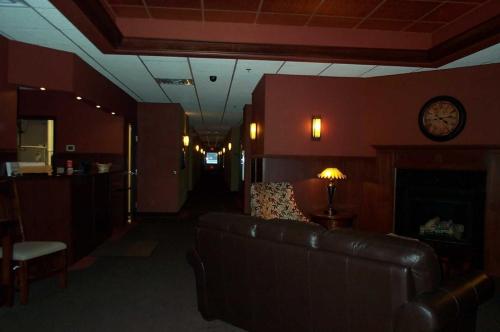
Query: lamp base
point(331, 212)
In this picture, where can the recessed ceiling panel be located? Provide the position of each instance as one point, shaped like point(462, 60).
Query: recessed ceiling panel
point(22, 18)
point(346, 70)
point(303, 68)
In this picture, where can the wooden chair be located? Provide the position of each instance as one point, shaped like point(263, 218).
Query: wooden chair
point(30, 258)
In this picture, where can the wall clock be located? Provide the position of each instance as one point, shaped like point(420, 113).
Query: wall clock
point(442, 118)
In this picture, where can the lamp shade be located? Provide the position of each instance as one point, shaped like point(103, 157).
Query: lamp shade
point(331, 173)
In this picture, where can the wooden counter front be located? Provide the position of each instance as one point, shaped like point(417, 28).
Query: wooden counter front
point(74, 209)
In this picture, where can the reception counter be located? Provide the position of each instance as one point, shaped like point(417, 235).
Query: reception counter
point(80, 210)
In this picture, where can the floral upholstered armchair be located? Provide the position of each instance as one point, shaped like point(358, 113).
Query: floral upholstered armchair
point(275, 200)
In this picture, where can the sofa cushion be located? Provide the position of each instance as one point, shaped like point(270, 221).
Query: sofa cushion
point(275, 200)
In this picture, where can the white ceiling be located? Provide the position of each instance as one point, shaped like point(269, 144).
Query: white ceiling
point(213, 107)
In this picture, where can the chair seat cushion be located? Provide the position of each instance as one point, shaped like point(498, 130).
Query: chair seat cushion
point(24, 251)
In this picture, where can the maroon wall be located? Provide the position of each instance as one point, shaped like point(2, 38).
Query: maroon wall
point(160, 130)
point(35, 66)
point(8, 113)
point(76, 122)
point(358, 113)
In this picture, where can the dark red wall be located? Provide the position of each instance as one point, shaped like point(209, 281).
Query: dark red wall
point(358, 113)
point(76, 122)
point(8, 113)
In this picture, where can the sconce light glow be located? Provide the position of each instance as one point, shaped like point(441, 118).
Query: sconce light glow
point(78, 98)
point(197, 148)
point(98, 106)
point(229, 146)
point(185, 140)
point(253, 130)
point(223, 150)
point(43, 88)
point(113, 113)
point(316, 128)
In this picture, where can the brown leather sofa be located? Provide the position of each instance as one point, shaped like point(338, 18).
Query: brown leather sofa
point(292, 276)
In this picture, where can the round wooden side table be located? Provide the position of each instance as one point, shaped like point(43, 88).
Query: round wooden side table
point(341, 219)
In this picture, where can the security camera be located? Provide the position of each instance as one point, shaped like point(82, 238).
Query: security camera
point(213, 78)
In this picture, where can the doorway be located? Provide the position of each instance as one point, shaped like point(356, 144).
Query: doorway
point(35, 141)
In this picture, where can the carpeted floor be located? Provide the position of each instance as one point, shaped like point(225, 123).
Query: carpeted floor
point(151, 293)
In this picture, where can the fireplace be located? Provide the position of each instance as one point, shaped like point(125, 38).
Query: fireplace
point(444, 208)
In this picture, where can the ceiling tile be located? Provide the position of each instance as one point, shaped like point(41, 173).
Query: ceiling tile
point(212, 95)
point(373, 24)
point(302, 68)
point(15, 17)
point(168, 67)
point(230, 16)
point(407, 10)
point(195, 4)
point(346, 70)
point(248, 5)
point(290, 7)
point(350, 8)
point(266, 18)
point(424, 27)
point(56, 18)
point(39, 3)
point(333, 22)
point(388, 70)
point(488, 55)
point(133, 12)
point(176, 14)
point(449, 11)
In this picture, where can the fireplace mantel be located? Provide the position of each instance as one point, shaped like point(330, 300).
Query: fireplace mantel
point(453, 157)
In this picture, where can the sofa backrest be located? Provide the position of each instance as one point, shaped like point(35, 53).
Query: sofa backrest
point(292, 276)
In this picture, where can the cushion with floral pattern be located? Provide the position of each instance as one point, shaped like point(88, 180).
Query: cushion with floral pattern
point(275, 200)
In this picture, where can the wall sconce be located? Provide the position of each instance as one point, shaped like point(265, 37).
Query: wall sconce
point(223, 150)
point(253, 131)
point(229, 146)
point(197, 148)
point(185, 140)
point(316, 128)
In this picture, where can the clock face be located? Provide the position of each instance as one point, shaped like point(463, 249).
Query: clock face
point(442, 118)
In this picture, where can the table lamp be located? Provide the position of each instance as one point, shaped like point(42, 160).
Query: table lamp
point(332, 175)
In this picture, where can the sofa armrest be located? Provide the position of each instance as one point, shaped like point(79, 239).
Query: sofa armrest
point(201, 286)
point(452, 307)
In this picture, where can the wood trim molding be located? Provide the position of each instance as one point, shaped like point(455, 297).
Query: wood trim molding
point(482, 35)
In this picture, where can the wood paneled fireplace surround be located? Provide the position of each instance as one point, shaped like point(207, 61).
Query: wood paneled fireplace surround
point(454, 195)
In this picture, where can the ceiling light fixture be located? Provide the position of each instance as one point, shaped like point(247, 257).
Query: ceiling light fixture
point(98, 106)
point(78, 98)
point(113, 113)
point(43, 88)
